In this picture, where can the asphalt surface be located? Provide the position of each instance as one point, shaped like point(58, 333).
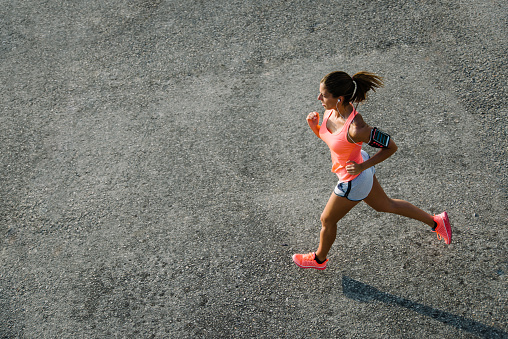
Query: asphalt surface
point(158, 173)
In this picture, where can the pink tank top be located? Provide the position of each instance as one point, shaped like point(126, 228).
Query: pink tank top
point(340, 148)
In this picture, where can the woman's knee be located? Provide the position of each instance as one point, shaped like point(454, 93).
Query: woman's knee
point(328, 220)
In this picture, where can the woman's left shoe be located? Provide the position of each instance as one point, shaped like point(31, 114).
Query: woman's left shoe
point(308, 261)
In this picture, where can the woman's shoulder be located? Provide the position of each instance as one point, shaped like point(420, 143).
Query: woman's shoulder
point(359, 129)
point(358, 121)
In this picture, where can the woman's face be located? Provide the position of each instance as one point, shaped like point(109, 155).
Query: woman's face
point(326, 98)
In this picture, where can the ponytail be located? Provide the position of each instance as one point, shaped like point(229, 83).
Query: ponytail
point(353, 89)
point(365, 81)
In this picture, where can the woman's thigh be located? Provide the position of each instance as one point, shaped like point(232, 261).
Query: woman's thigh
point(377, 198)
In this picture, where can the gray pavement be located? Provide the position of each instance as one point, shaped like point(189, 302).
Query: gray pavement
point(158, 173)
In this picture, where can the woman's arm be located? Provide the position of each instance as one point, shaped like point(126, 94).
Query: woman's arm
point(360, 131)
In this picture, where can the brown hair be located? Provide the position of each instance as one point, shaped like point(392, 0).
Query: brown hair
point(341, 84)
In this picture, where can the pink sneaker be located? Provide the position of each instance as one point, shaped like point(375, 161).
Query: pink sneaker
point(308, 261)
point(443, 228)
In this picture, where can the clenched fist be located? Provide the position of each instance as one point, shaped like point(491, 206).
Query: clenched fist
point(313, 120)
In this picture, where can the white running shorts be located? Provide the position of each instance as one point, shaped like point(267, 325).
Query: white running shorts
point(358, 188)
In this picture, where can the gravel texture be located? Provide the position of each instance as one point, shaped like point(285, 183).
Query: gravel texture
point(158, 173)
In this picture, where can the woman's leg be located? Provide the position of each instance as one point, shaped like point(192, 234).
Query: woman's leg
point(378, 200)
point(336, 208)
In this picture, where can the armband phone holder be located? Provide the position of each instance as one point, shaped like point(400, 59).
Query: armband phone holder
point(378, 138)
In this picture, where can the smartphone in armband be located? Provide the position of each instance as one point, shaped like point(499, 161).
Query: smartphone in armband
point(378, 138)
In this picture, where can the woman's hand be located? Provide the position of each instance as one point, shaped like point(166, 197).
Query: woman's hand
point(353, 168)
point(313, 120)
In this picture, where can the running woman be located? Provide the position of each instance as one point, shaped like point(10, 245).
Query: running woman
point(344, 130)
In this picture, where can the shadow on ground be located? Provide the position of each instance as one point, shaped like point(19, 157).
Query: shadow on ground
point(359, 291)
